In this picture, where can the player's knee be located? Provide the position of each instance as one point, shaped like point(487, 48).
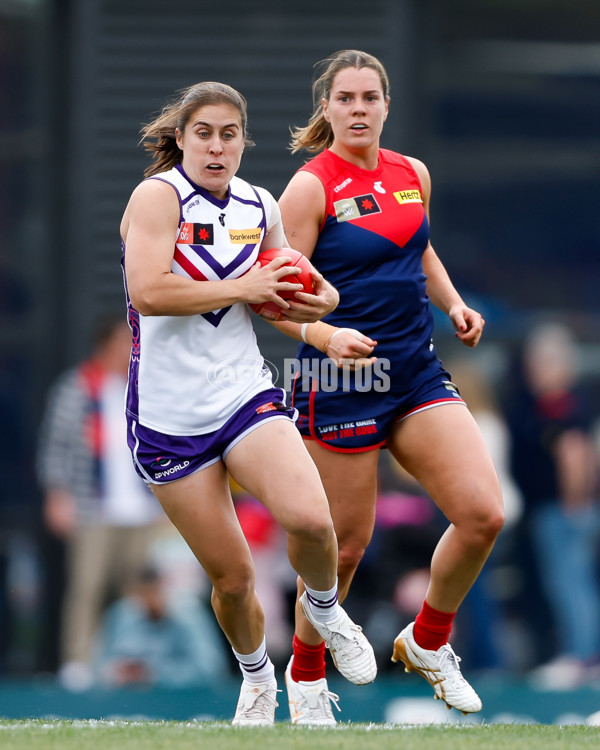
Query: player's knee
point(486, 525)
point(349, 557)
point(235, 587)
point(314, 528)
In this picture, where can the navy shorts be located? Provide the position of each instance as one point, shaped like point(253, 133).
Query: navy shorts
point(351, 421)
point(160, 458)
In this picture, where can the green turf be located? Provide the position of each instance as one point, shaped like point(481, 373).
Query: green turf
point(138, 735)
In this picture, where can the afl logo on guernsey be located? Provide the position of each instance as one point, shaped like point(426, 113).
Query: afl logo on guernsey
point(408, 196)
point(356, 208)
point(195, 234)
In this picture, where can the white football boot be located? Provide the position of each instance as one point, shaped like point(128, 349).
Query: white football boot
point(440, 669)
point(310, 702)
point(256, 705)
point(350, 650)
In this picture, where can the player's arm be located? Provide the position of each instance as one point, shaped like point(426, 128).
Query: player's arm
point(468, 322)
point(302, 205)
point(345, 346)
point(149, 229)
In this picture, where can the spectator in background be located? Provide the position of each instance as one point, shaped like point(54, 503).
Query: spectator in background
point(555, 466)
point(93, 499)
point(149, 639)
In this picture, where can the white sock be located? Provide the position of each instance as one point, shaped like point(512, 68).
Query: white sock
point(256, 667)
point(323, 604)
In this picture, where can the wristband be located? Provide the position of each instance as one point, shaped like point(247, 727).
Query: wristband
point(357, 334)
point(317, 334)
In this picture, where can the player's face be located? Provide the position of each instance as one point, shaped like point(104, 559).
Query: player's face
point(356, 108)
point(212, 144)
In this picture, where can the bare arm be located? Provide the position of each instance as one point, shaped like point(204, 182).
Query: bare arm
point(302, 206)
point(149, 229)
point(468, 322)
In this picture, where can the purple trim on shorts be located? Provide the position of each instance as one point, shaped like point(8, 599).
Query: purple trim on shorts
point(160, 458)
point(241, 436)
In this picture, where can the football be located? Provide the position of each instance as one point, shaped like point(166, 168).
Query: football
point(270, 310)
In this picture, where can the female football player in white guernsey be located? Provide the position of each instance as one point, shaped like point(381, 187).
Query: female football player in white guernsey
point(361, 214)
point(201, 404)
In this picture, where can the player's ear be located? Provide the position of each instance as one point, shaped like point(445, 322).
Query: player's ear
point(324, 106)
point(179, 138)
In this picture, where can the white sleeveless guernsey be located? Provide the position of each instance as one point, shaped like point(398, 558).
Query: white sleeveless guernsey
point(189, 374)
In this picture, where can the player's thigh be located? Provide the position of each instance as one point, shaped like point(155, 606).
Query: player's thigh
point(201, 508)
point(272, 464)
point(350, 481)
point(443, 448)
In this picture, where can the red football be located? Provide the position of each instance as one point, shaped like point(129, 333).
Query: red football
point(270, 310)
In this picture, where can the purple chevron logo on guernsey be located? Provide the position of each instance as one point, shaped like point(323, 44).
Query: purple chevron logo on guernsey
point(223, 271)
point(215, 318)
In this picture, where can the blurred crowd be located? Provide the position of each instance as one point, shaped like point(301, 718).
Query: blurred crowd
point(105, 593)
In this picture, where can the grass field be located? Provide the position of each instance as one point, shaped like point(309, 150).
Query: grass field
point(139, 735)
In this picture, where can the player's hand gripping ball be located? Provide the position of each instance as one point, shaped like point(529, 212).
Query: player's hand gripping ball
point(271, 310)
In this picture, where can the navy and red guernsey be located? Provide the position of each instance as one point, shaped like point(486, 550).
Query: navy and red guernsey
point(370, 247)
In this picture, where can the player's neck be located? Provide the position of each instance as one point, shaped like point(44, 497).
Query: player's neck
point(363, 158)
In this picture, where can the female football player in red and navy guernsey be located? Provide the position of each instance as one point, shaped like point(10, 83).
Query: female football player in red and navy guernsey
point(200, 401)
point(361, 214)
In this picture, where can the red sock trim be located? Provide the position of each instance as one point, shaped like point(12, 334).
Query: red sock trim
point(432, 627)
point(309, 661)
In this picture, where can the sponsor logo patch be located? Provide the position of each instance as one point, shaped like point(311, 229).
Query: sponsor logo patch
point(408, 196)
point(355, 208)
point(171, 470)
point(273, 406)
point(449, 386)
point(196, 234)
point(342, 185)
point(160, 462)
point(244, 236)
